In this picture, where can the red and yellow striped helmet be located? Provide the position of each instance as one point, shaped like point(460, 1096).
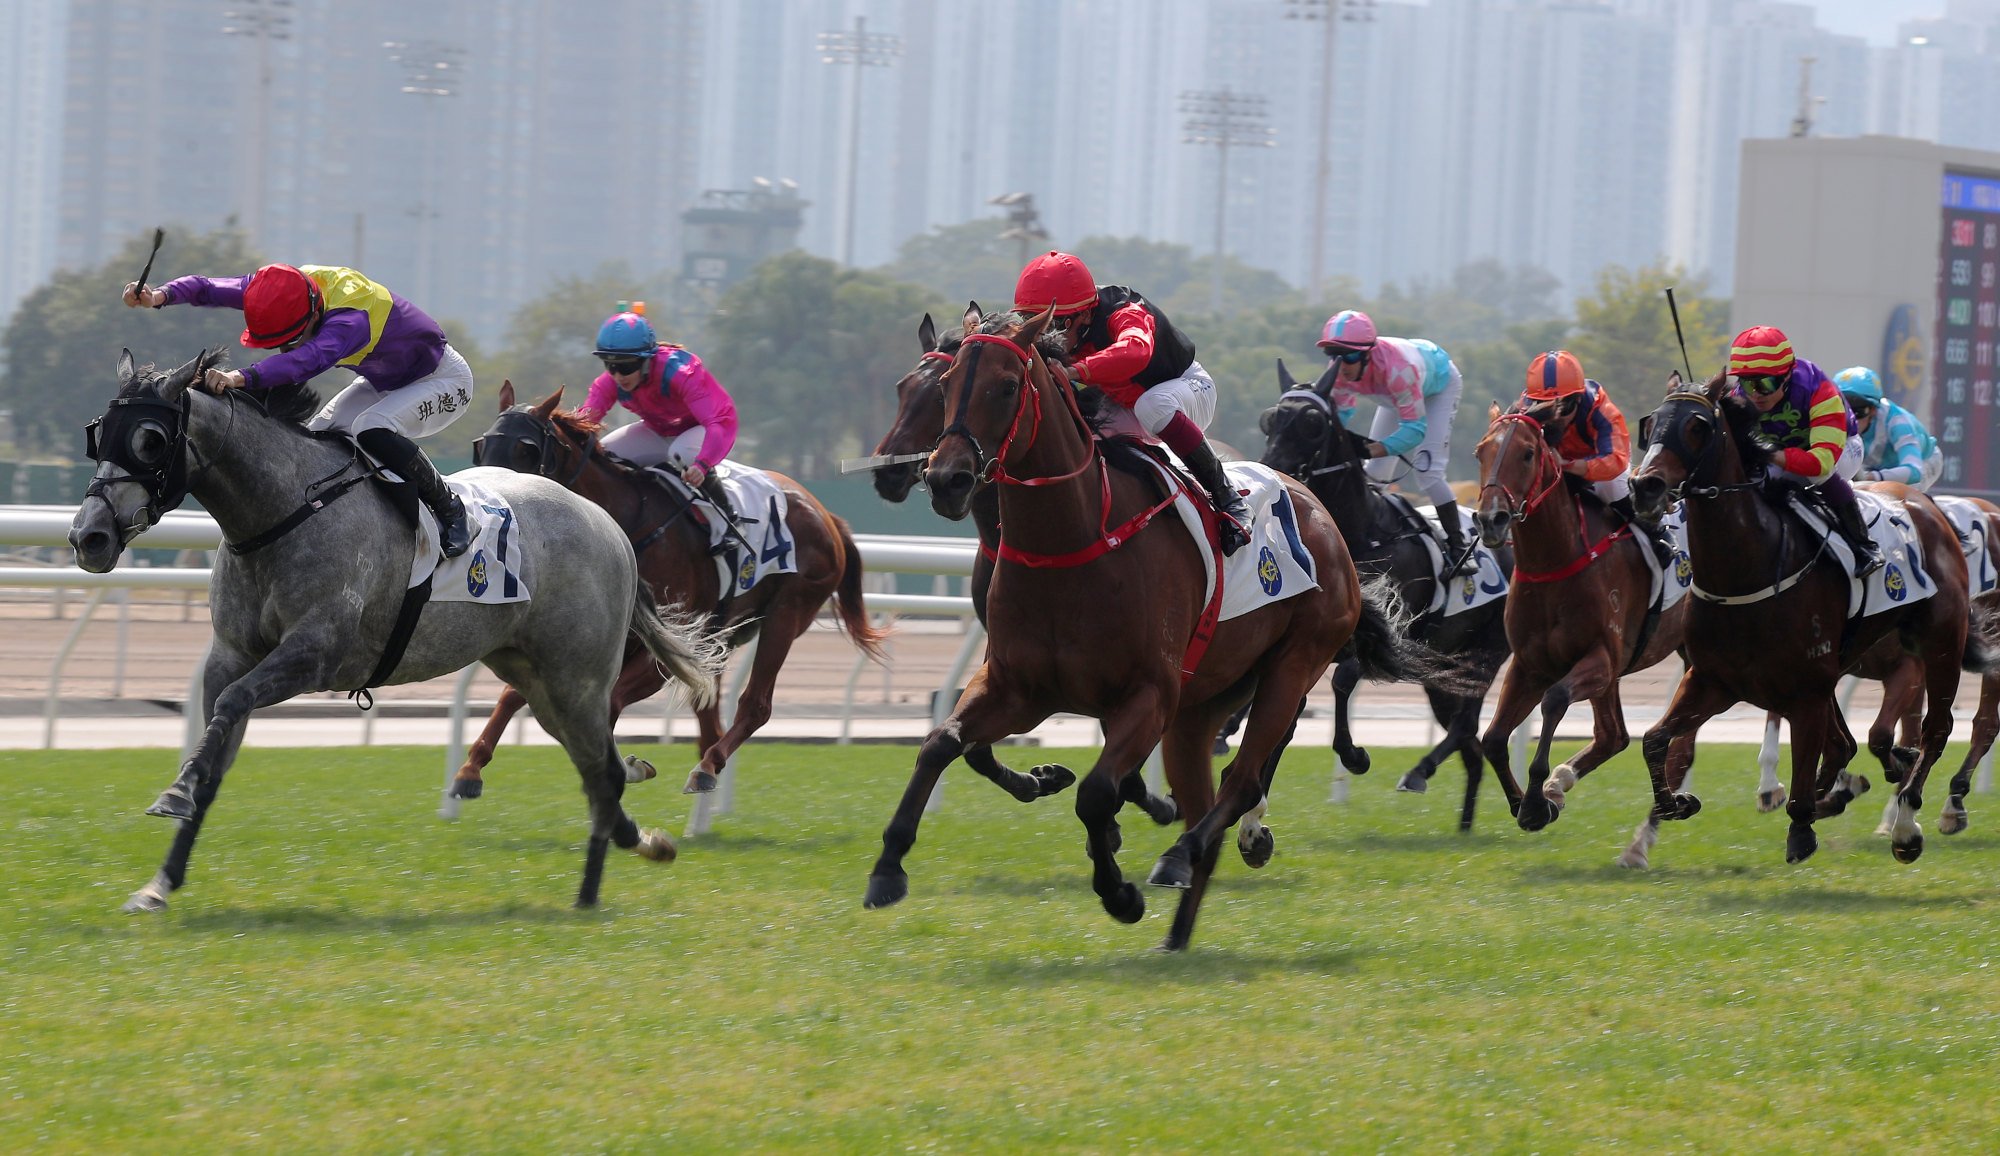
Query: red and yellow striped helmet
point(1761, 351)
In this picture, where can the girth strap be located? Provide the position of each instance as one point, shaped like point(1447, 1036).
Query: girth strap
point(414, 600)
point(312, 505)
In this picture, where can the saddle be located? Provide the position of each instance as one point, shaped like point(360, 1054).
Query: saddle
point(1405, 520)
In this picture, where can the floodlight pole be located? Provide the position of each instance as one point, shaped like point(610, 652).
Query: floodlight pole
point(861, 50)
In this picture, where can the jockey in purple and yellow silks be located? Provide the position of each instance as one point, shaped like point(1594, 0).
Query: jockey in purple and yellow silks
point(1801, 410)
point(409, 382)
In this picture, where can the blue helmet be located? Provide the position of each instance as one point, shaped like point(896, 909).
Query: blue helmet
point(626, 334)
point(1859, 384)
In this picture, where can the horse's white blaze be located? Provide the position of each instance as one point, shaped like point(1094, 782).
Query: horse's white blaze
point(1638, 855)
point(1652, 453)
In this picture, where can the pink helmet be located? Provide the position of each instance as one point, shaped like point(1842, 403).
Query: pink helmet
point(1348, 329)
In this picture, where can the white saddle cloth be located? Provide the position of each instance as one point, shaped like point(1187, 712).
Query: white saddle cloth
point(491, 570)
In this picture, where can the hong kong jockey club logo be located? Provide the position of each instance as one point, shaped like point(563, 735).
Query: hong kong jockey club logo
point(747, 571)
point(1469, 589)
point(1267, 572)
point(1683, 569)
point(1892, 581)
point(475, 574)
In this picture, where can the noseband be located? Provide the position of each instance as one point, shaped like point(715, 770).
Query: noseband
point(1546, 463)
point(992, 469)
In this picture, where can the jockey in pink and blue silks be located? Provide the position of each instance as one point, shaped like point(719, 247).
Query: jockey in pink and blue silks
point(1417, 386)
point(686, 419)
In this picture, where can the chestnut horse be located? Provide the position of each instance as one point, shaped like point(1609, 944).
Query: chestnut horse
point(1768, 622)
point(917, 426)
point(674, 561)
point(1577, 613)
point(1097, 609)
point(1305, 438)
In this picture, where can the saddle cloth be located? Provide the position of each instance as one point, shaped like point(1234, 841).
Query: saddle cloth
point(760, 513)
point(1902, 580)
point(1455, 595)
point(1275, 565)
point(1671, 586)
point(491, 571)
point(1971, 525)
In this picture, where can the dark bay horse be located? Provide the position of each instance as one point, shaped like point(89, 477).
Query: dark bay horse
point(1769, 625)
point(674, 562)
point(1578, 612)
point(1093, 607)
point(918, 423)
point(307, 596)
point(1305, 438)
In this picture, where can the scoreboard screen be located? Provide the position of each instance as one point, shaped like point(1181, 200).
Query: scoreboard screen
point(1966, 422)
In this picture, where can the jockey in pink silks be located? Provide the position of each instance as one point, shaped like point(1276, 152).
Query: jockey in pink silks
point(686, 419)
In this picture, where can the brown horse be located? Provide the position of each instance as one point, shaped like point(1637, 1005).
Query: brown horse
point(674, 561)
point(1577, 613)
point(1096, 609)
point(1768, 619)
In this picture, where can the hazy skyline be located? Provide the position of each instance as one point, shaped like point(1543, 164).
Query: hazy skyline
point(1874, 19)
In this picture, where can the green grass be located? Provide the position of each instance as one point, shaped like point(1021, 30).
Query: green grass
point(345, 972)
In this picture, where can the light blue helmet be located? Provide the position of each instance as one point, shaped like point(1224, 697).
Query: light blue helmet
point(626, 333)
point(1859, 384)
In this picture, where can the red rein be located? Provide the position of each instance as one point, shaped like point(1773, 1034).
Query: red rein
point(1546, 462)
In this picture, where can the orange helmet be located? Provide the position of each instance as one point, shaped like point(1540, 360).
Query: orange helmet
point(1554, 374)
point(1059, 277)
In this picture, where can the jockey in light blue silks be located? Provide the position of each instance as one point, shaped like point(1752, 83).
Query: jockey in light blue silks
point(1895, 445)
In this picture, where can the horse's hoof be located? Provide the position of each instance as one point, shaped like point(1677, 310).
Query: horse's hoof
point(656, 845)
point(1800, 843)
point(1534, 812)
point(1219, 749)
point(1677, 807)
point(1413, 783)
point(1257, 852)
point(1908, 852)
point(467, 788)
point(700, 782)
point(585, 903)
point(1171, 945)
point(144, 901)
point(1126, 904)
point(638, 770)
point(1769, 801)
point(1359, 764)
point(1161, 809)
point(1051, 779)
point(1859, 784)
point(1635, 860)
point(1953, 818)
point(1173, 870)
point(886, 890)
point(173, 803)
point(1892, 772)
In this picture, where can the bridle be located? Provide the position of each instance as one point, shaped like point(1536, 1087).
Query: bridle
point(1701, 464)
point(1547, 464)
point(1299, 399)
point(1029, 405)
point(543, 435)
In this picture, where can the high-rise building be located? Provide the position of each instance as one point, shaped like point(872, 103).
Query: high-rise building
point(31, 99)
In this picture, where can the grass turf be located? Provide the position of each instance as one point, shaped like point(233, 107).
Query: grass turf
point(345, 972)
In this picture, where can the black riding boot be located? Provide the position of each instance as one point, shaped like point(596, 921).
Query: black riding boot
point(1458, 560)
point(1654, 535)
point(1847, 513)
point(401, 455)
point(711, 488)
point(1233, 528)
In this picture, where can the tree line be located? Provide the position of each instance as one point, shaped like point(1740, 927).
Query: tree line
point(811, 350)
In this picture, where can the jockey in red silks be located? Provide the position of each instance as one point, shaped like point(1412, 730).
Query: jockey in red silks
point(1122, 345)
point(409, 382)
point(687, 421)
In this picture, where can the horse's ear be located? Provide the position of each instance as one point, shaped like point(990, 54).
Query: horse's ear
point(973, 315)
point(176, 383)
point(126, 370)
point(506, 395)
point(547, 405)
point(1718, 385)
point(1492, 411)
point(1645, 431)
point(1031, 330)
point(927, 334)
point(1285, 382)
point(1674, 380)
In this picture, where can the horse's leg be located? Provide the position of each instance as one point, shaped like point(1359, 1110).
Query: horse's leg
point(1608, 736)
point(1906, 842)
point(782, 627)
point(1130, 731)
point(1518, 692)
point(1901, 688)
point(574, 712)
point(1443, 708)
point(1026, 786)
point(1187, 759)
point(708, 732)
point(232, 687)
point(1465, 726)
point(467, 783)
point(1809, 737)
point(1346, 675)
point(638, 680)
point(1539, 806)
point(1770, 792)
point(1837, 788)
point(985, 714)
point(1669, 752)
point(1985, 725)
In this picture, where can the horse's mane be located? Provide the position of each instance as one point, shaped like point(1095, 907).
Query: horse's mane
point(585, 431)
point(570, 421)
point(292, 404)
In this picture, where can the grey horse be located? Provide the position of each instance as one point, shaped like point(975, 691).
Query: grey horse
point(306, 597)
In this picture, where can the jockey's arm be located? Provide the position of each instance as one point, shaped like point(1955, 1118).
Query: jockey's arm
point(1128, 353)
point(342, 333)
point(1826, 424)
point(1906, 450)
point(711, 407)
point(206, 292)
point(1611, 446)
point(598, 402)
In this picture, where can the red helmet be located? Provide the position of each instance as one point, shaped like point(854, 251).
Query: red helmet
point(279, 306)
point(1761, 351)
point(1554, 374)
point(1055, 277)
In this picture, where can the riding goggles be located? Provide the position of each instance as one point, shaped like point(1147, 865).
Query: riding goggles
point(1762, 386)
point(620, 366)
point(1348, 356)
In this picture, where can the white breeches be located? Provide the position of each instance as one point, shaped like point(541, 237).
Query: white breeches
point(1192, 393)
point(417, 410)
point(1431, 457)
point(641, 444)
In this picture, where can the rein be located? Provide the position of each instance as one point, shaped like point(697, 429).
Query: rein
point(1547, 462)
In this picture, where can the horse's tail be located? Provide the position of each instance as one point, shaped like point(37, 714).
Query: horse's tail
point(1387, 652)
point(848, 604)
point(1982, 644)
point(692, 656)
